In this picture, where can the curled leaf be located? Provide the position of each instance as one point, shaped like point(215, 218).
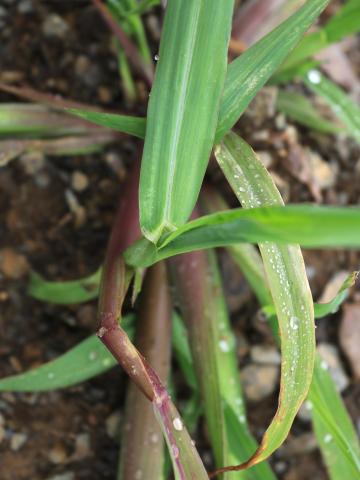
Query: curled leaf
point(285, 271)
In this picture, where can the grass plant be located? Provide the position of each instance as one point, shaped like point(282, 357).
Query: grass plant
point(196, 99)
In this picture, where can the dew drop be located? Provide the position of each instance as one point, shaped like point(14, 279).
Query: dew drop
point(156, 58)
point(177, 424)
point(106, 362)
point(327, 438)
point(92, 356)
point(324, 365)
point(154, 438)
point(314, 77)
point(175, 451)
point(224, 346)
point(51, 375)
point(294, 323)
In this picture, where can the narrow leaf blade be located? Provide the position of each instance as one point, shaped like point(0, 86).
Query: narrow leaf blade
point(333, 427)
point(122, 123)
point(64, 293)
point(300, 109)
point(342, 105)
point(249, 72)
point(334, 430)
point(285, 271)
point(308, 225)
point(84, 361)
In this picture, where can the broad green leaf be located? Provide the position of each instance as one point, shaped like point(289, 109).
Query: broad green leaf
point(285, 271)
point(334, 430)
point(245, 76)
point(328, 410)
point(345, 22)
point(183, 108)
point(64, 293)
point(123, 123)
point(333, 427)
point(249, 72)
point(308, 225)
point(341, 104)
point(86, 360)
point(300, 109)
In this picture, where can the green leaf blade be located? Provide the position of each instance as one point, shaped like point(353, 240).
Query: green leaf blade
point(285, 271)
point(183, 108)
point(345, 22)
point(90, 358)
point(342, 105)
point(121, 123)
point(300, 109)
point(213, 350)
point(334, 430)
point(333, 427)
point(64, 293)
point(248, 73)
point(307, 225)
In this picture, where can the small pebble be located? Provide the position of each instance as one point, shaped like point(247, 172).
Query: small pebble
point(104, 94)
point(76, 208)
point(298, 445)
point(266, 158)
point(305, 412)
point(79, 181)
point(63, 476)
point(25, 6)
point(331, 362)
point(349, 334)
point(57, 454)
point(2, 428)
point(259, 381)
point(55, 26)
point(89, 73)
point(32, 162)
point(17, 440)
point(2, 433)
point(265, 355)
point(12, 264)
point(113, 424)
point(82, 446)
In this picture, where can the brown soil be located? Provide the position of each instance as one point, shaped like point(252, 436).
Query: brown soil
point(40, 232)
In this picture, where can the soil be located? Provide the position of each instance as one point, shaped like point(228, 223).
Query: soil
point(65, 432)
